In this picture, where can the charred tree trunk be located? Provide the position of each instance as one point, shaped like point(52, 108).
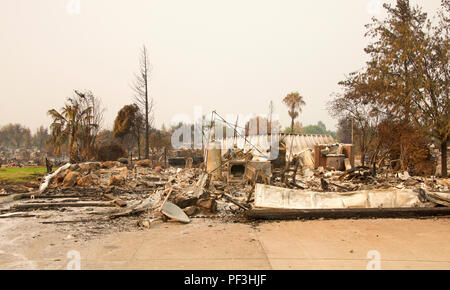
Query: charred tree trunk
point(444, 168)
point(292, 125)
point(292, 113)
point(146, 68)
point(73, 148)
point(139, 147)
point(146, 123)
point(142, 96)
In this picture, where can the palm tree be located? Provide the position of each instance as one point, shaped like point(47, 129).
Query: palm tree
point(59, 134)
point(294, 101)
point(70, 126)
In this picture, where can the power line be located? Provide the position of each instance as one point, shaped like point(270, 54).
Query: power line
point(246, 140)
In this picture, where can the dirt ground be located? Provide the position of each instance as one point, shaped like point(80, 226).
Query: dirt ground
point(213, 244)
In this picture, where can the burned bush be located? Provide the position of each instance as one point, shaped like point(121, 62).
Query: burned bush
point(405, 147)
point(110, 152)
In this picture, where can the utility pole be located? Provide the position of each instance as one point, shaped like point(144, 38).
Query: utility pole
point(235, 134)
point(269, 133)
point(270, 114)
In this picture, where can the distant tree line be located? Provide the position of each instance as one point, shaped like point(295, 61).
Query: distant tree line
point(319, 129)
point(15, 136)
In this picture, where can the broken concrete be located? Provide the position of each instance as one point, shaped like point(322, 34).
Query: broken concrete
point(71, 178)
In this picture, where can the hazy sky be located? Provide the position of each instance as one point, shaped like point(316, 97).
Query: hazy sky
point(230, 55)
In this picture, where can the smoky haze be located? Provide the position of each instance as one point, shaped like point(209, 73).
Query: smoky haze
point(231, 56)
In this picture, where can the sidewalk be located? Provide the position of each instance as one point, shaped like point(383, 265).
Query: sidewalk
point(204, 244)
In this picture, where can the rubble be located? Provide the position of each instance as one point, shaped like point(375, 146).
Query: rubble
point(232, 183)
point(144, 163)
point(275, 197)
point(71, 178)
point(19, 158)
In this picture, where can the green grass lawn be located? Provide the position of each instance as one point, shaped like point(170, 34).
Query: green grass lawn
point(21, 175)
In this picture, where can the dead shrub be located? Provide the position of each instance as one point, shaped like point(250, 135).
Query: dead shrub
point(110, 152)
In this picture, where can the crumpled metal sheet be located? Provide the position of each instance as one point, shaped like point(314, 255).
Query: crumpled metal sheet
point(283, 198)
point(441, 198)
point(174, 212)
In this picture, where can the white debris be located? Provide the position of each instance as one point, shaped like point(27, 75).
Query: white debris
point(48, 178)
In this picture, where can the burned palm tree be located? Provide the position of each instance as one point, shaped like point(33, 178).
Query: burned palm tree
point(71, 125)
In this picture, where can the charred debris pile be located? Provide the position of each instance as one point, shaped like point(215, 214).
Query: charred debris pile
point(317, 182)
